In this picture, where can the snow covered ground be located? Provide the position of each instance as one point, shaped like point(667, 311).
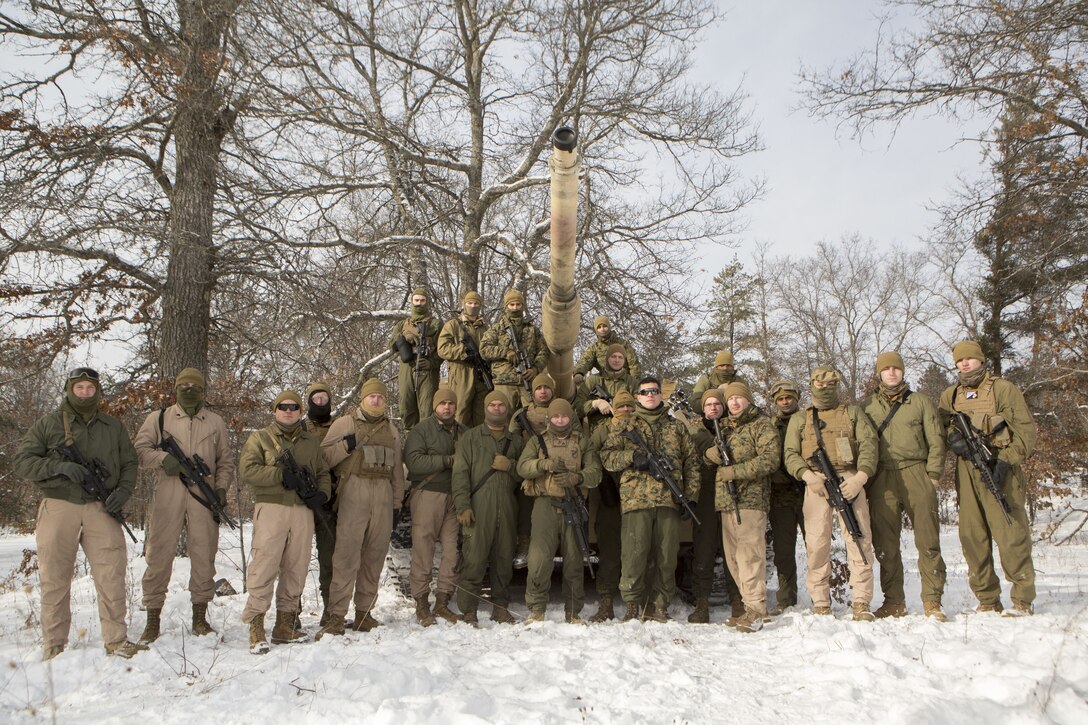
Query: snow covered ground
point(975, 668)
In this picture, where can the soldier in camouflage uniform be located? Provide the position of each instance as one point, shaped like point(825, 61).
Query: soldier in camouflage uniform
point(911, 461)
point(418, 376)
point(536, 413)
point(497, 347)
point(484, 479)
point(604, 503)
point(787, 501)
point(997, 408)
point(851, 445)
point(751, 442)
point(721, 374)
point(428, 454)
point(707, 534)
point(555, 464)
point(283, 526)
point(596, 355)
point(651, 518)
point(463, 379)
point(592, 397)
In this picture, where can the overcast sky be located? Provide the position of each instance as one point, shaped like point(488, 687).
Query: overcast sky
point(822, 184)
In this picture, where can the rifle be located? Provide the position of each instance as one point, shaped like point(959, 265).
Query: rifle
point(94, 480)
point(661, 469)
point(820, 461)
point(472, 354)
point(572, 505)
point(679, 401)
point(727, 460)
point(306, 487)
point(422, 350)
point(523, 359)
point(194, 472)
point(976, 452)
point(599, 393)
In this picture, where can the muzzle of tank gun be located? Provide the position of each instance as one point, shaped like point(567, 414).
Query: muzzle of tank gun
point(561, 308)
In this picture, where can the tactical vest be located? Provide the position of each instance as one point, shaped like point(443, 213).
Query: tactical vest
point(374, 451)
point(980, 405)
point(568, 450)
point(538, 418)
point(838, 434)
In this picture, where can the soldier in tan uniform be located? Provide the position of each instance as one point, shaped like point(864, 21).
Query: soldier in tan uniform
point(283, 525)
point(723, 373)
point(463, 379)
point(911, 461)
point(365, 452)
point(198, 431)
point(851, 444)
point(415, 340)
point(69, 517)
point(555, 464)
point(997, 408)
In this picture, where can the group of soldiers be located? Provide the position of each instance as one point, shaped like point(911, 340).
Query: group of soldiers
point(498, 471)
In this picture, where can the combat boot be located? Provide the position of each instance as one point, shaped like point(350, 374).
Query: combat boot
point(124, 648)
point(604, 611)
point(701, 615)
point(471, 618)
point(258, 643)
point(736, 611)
point(51, 650)
point(500, 614)
point(364, 623)
point(632, 613)
point(334, 626)
point(656, 614)
point(933, 609)
point(423, 611)
point(1019, 609)
point(324, 616)
point(285, 631)
point(752, 621)
point(200, 621)
point(535, 616)
point(573, 618)
point(151, 629)
point(862, 613)
point(821, 610)
point(984, 607)
point(442, 607)
point(891, 609)
point(521, 557)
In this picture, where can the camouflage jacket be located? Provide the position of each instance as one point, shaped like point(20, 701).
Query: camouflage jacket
point(752, 443)
point(670, 439)
point(596, 356)
point(611, 382)
point(496, 347)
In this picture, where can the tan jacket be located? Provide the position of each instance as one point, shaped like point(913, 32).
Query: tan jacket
point(336, 452)
point(205, 435)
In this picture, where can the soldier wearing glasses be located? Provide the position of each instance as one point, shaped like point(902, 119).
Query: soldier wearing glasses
point(651, 517)
point(70, 517)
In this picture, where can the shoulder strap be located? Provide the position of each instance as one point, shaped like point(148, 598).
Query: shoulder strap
point(892, 412)
point(817, 425)
point(162, 415)
point(490, 471)
point(66, 421)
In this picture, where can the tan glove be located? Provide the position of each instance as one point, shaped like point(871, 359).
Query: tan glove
point(815, 482)
point(578, 378)
point(466, 518)
point(602, 406)
point(568, 479)
point(728, 473)
point(529, 374)
point(554, 465)
point(851, 485)
point(714, 455)
point(411, 333)
point(501, 463)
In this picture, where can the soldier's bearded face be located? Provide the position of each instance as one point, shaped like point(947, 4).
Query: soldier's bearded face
point(891, 376)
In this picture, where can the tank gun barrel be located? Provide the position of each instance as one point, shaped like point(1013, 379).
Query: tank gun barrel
point(561, 307)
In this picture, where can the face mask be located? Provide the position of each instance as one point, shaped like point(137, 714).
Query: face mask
point(84, 407)
point(515, 315)
point(971, 380)
point(495, 420)
point(826, 398)
point(420, 311)
point(319, 413)
point(190, 400)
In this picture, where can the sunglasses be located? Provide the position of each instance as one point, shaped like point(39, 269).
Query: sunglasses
point(288, 406)
point(650, 391)
point(83, 372)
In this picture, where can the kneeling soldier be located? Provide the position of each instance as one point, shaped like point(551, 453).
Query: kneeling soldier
point(555, 466)
point(69, 516)
point(428, 454)
point(750, 441)
point(283, 524)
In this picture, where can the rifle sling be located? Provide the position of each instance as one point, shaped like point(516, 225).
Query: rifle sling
point(892, 412)
point(490, 471)
point(189, 486)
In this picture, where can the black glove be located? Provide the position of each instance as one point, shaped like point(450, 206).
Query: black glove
point(171, 466)
point(317, 499)
point(958, 443)
point(404, 349)
point(640, 461)
point(349, 439)
point(221, 494)
point(1001, 471)
point(291, 480)
point(116, 500)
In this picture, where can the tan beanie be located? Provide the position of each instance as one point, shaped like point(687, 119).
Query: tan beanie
point(498, 395)
point(601, 320)
point(736, 388)
point(513, 295)
point(967, 348)
point(613, 349)
point(560, 406)
point(287, 395)
point(545, 380)
point(373, 385)
point(444, 395)
point(473, 295)
point(889, 360)
point(723, 358)
point(711, 394)
point(623, 397)
point(190, 376)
